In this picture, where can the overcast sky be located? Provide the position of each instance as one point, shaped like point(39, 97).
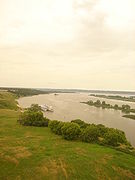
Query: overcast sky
point(87, 44)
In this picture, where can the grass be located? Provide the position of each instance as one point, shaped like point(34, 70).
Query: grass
point(29, 153)
point(7, 101)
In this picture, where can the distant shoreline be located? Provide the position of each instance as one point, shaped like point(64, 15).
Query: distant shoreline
point(51, 90)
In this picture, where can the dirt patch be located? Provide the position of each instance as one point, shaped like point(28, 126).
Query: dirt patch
point(124, 172)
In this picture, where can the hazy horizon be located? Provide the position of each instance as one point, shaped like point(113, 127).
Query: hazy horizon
point(74, 44)
point(77, 89)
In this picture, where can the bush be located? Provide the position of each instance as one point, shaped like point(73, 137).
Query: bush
point(35, 108)
point(90, 134)
point(70, 131)
point(59, 128)
point(53, 125)
point(81, 123)
point(115, 137)
point(102, 129)
point(30, 118)
point(56, 126)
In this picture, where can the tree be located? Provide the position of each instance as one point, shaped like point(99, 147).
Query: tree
point(98, 103)
point(116, 106)
point(35, 108)
point(126, 108)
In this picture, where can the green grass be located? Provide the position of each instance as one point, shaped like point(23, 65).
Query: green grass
point(29, 153)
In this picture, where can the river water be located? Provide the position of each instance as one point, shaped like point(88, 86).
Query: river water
point(67, 107)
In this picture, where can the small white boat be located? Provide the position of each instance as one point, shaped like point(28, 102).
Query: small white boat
point(46, 108)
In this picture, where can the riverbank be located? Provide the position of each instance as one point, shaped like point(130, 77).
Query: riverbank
point(36, 153)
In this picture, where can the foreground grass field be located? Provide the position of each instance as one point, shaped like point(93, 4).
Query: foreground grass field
point(28, 153)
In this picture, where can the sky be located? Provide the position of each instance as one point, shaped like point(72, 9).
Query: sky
point(87, 44)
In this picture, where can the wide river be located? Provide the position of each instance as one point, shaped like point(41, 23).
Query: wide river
point(67, 107)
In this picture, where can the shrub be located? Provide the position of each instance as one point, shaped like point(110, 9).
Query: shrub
point(90, 134)
point(81, 123)
point(102, 129)
point(59, 128)
point(30, 118)
point(35, 108)
point(56, 126)
point(115, 137)
point(70, 131)
point(53, 125)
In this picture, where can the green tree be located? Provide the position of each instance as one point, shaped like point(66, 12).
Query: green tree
point(34, 108)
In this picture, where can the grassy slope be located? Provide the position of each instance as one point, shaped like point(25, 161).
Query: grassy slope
point(36, 153)
point(7, 101)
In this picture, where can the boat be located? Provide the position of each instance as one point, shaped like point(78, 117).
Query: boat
point(46, 108)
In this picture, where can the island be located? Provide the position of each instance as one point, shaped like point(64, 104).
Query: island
point(131, 116)
point(124, 108)
point(115, 97)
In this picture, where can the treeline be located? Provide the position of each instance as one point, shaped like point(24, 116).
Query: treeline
point(131, 116)
point(77, 130)
point(124, 108)
point(22, 92)
point(122, 98)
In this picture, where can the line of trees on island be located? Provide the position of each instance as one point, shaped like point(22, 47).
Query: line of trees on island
point(124, 108)
point(77, 130)
point(116, 97)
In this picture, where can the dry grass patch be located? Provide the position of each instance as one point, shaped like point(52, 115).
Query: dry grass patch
point(21, 152)
point(30, 135)
point(53, 168)
point(80, 151)
point(13, 154)
point(9, 158)
point(106, 158)
point(124, 173)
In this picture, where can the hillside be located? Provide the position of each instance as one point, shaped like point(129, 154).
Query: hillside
point(7, 101)
point(36, 153)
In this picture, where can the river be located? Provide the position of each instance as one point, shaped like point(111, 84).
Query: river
point(67, 107)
